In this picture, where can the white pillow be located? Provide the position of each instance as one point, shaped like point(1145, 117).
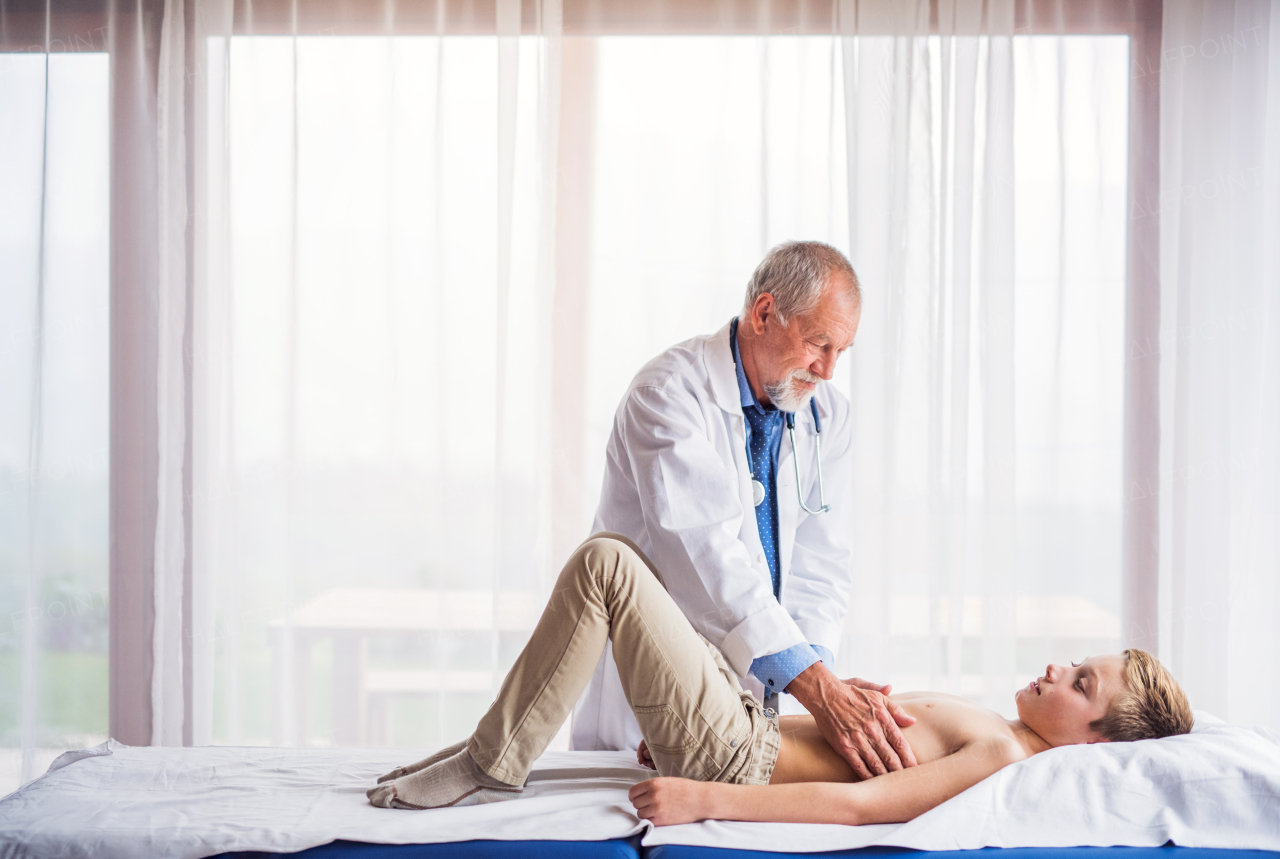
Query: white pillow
point(1218, 786)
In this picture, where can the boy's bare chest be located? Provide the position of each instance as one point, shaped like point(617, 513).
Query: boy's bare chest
point(944, 723)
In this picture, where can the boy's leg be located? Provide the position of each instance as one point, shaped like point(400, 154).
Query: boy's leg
point(694, 721)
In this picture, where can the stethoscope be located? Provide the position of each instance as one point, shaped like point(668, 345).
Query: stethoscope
point(757, 487)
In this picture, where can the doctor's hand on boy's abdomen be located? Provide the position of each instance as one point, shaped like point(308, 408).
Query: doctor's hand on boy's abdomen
point(942, 723)
point(941, 720)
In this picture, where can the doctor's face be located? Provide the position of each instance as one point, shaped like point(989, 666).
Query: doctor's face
point(791, 360)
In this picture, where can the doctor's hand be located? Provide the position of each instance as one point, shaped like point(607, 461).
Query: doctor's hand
point(857, 720)
point(886, 690)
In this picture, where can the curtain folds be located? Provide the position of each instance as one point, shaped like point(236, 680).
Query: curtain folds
point(53, 391)
point(379, 276)
point(1219, 210)
point(369, 402)
point(380, 259)
point(171, 676)
point(931, 185)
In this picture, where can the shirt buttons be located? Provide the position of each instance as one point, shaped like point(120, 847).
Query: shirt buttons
point(733, 744)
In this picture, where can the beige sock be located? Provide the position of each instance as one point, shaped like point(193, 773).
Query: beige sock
point(446, 752)
point(455, 781)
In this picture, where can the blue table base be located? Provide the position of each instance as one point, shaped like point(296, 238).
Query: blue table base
point(630, 849)
point(616, 849)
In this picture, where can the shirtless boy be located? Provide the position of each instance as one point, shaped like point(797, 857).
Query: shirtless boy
point(718, 754)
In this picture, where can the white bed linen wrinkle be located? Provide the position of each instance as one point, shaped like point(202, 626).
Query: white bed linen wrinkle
point(1217, 787)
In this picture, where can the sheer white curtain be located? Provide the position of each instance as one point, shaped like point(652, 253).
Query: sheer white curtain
point(977, 180)
point(402, 267)
point(987, 185)
point(407, 268)
point(933, 375)
point(53, 402)
point(1220, 355)
point(371, 410)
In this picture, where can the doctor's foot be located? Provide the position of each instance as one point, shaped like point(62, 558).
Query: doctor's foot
point(443, 754)
point(453, 782)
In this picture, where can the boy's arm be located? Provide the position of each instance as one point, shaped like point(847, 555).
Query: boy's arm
point(893, 798)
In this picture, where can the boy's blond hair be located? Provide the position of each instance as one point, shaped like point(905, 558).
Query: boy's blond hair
point(1153, 705)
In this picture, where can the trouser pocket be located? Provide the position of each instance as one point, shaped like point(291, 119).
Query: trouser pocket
point(755, 764)
point(684, 745)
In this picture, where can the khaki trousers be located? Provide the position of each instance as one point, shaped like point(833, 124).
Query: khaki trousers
point(694, 715)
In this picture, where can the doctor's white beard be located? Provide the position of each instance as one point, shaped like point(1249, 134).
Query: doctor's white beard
point(787, 395)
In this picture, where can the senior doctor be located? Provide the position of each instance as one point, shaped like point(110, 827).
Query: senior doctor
point(713, 471)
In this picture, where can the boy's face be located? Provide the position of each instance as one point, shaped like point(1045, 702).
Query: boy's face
point(1060, 705)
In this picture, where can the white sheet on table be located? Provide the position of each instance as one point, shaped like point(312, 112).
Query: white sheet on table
point(1219, 787)
point(124, 801)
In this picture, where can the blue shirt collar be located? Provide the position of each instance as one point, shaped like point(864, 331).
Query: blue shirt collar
point(748, 396)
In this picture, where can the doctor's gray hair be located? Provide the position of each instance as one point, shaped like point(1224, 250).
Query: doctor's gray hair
point(795, 273)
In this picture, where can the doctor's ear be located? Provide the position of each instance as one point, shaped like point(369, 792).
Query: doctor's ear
point(763, 309)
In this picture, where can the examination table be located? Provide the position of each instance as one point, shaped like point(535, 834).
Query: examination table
point(1215, 789)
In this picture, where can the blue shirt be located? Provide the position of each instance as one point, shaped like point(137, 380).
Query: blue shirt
point(764, 446)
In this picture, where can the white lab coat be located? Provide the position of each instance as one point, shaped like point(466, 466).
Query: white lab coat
point(678, 484)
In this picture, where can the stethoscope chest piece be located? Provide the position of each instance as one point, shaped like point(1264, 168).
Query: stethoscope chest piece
point(757, 492)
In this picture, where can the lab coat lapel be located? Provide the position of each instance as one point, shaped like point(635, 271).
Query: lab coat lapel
point(717, 357)
point(750, 533)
